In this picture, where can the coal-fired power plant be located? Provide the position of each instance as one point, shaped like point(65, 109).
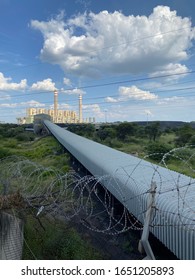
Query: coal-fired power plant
point(57, 115)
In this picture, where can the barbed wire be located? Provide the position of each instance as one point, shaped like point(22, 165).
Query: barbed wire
point(181, 188)
point(25, 184)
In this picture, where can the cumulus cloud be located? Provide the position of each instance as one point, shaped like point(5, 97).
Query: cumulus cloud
point(94, 109)
point(45, 85)
point(67, 81)
point(75, 91)
point(6, 84)
point(171, 72)
point(116, 43)
point(132, 92)
point(111, 99)
point(31, 103)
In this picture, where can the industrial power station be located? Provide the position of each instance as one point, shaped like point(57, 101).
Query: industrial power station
point(57, 116)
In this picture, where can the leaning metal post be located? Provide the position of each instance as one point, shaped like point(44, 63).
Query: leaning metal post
point(144, 244)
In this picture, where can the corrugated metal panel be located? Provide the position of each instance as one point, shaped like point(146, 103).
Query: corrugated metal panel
point(11, 237)
point(173, 223)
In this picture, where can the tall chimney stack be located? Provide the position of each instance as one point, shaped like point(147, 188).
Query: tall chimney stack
point(55, 105)
point(80, 109)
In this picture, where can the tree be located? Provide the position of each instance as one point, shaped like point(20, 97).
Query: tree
point(184, 135)
point(83, 129)
point(156, 151)
point(126, 129)
point(153, 131)
point(106, 132)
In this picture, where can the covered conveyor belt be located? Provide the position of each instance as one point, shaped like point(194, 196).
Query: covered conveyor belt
point(173, 220)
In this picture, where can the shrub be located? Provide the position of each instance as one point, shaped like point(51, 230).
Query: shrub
point(4, 152)
point(192, 141)
point(25, 136)
point(184, 135)
point(156, 151)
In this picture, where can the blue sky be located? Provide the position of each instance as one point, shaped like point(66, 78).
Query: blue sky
point(131, 60)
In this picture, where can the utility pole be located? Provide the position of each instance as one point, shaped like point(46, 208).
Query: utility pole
point(105, 115)
point(80, 109)
point(55, 106)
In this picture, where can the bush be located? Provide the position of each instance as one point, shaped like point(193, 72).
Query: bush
point(4, 153)
point(126, 129)
point(156, 151)
point(25, 136)
point(184, 135)
point(192, 141)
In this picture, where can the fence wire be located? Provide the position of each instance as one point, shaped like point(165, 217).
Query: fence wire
point(25, 184)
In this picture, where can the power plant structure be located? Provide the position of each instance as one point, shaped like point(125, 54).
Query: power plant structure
point(57, 115)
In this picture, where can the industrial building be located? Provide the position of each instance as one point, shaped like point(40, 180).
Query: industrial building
point(57, 116)
point(61, 116)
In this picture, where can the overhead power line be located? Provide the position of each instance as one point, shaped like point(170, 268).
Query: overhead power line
point(107, 84)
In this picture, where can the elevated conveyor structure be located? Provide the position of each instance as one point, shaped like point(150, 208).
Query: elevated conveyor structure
point(173, 218)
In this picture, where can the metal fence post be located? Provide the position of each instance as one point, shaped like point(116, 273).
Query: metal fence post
point(144, 245)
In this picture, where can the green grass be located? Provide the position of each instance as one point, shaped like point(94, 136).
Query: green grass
point(45, 151)
point(140, 147)
point(55, 240)
point(49, 239)
point(167, 138)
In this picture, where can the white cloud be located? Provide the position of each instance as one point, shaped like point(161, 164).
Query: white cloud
point(75, 91)
point(115, 43)
point(148, 112)
point(172, 99)
point(111, 99)
point(94, 109)
point(8, 105)
point(45, 85)
point(32, 103)
point(135, 93)
point(132, 93)
point(6, 84)
point(67, 82)
point(4, 96)
point(169, 70)
point(64, 106)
